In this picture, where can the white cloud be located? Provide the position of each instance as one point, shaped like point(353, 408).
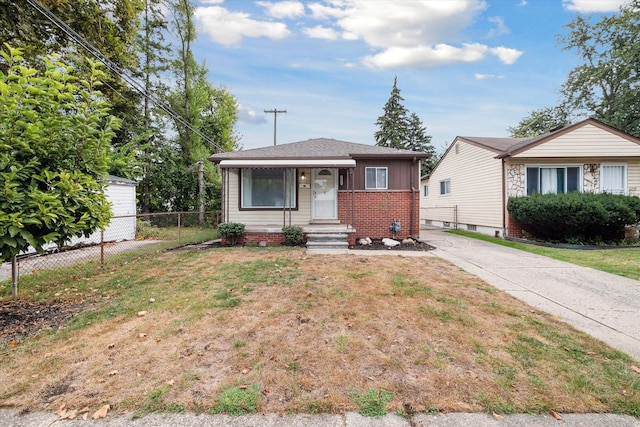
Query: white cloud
point(412, 33)
point(507, 55)
point(320, 32)
point(500, 27)
point(587, 6)
point(283, 9)
point(523, 3)
point(479, 76)
point(229, 28)
point(248, 115)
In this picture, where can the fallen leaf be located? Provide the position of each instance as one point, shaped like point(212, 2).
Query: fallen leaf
point(473, 374)
point(71, 415)
point(243, 387)
point(497, 417)
point(84, 410)
point(245, 371)
point(85, 416)
point(102, 412)
point(635, 369)
point(555, 415)
point(171, 382)
point(142, 335)
point(12, 344)
point(62, 410)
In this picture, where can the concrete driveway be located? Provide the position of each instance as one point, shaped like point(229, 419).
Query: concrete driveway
point(601, 304)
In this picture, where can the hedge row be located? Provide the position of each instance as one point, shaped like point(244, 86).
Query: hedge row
point(575, 217)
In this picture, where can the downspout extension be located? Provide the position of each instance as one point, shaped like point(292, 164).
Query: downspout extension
point(504, 202)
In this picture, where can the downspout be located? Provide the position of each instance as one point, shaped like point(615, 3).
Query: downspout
point(504, 201)
point(353, 198)
point(412, 212)
point(284, 197)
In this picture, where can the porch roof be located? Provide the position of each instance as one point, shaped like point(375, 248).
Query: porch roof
point(288, 163)
point(319, 152)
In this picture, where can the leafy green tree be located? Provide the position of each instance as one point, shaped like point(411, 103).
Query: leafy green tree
point(540, 121)
point(607, 85)
point(55, 133)
point(393, 125)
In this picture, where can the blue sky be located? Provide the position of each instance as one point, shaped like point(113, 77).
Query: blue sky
point(465, 67)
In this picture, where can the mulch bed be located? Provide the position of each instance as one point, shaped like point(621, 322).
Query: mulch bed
point(22, 319)
point(377, 245)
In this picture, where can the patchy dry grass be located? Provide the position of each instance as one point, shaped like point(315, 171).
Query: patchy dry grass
point(277, 331)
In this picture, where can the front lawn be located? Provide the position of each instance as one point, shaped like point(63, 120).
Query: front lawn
point(275, 330)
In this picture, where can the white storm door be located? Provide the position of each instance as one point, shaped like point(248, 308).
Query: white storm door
point(324, 190)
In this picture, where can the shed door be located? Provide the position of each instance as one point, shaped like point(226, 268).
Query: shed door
point(324, 194)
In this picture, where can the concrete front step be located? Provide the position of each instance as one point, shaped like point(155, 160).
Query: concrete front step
point(327, 241)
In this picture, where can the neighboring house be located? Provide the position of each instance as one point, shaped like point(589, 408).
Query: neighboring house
point(321, 185)
point(471, 184)
point(121, 193)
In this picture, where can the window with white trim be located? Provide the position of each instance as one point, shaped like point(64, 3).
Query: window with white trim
point(269, 188)
point(425, 191)
point(553, 179)
point(445, 187)
point(375, 179)
point(613, 178)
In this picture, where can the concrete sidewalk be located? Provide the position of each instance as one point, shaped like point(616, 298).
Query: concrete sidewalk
point(601, 304)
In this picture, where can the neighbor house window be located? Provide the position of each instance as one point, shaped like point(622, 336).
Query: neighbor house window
point(613, 178)
point(268, 188)
point(552, 179)
point(375, 179)
point(445, 186)
point(425, 191)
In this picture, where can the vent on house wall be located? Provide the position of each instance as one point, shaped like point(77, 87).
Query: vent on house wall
point(428, 222)
point(446, 224)
point(457, 148)
point(472, 227)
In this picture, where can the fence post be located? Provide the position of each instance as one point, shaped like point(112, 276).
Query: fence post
point(178, 227)
point(14, 277)
point(102, 248)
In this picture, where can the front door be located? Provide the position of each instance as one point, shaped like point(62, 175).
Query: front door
point(324, 193)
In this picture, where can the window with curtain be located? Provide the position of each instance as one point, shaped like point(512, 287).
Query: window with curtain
point(613, 178)
point(556, 179)
point(375, 179)
point(268, 188)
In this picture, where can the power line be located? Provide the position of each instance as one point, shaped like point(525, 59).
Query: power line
point(53, 18)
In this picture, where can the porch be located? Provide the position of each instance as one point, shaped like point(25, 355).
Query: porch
point(316, 235)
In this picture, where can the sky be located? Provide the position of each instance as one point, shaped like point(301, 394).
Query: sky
point(465, 67)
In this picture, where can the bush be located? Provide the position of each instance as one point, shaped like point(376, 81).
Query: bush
point(292, 235)
point(575, 217)
point(231, 231)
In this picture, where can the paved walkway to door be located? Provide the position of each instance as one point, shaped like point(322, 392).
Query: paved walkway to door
point(601, 304)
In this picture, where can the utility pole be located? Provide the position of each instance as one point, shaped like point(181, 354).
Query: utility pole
point(200, 164)
point(275, 113)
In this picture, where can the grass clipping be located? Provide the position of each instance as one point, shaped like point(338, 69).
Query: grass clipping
point(276, 331)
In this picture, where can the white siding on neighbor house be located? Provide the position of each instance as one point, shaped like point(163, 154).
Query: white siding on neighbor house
point(476, 187)
point(588, 141)
point(271, 218)
point(633, 167)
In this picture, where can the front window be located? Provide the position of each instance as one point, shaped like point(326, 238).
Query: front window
point(613, 178)
point(552, 179)
point(375, 179)
point(268, 188)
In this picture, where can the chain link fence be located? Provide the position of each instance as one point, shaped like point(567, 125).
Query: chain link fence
point(124, 234)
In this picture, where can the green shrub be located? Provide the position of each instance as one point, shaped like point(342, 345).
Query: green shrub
point(575, 217)
point(231, 231)
point(237, 401)
point(292, 235)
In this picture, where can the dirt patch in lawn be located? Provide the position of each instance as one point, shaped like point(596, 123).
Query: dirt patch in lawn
point(306, 334)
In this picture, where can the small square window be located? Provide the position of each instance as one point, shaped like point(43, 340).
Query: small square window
point(375, 179)
point(425, 191)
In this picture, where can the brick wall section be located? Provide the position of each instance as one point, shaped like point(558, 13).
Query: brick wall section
point(259, 237)
point(375, 210)
point(514, 229)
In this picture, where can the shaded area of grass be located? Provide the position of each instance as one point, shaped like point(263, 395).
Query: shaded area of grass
point(622, 262)
point(240, 330)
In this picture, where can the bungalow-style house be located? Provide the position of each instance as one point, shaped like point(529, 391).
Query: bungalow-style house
point(469, 187)
point(325, 186)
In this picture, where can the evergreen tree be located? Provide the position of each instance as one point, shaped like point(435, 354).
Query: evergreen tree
point(393, 124)
point(418, 140)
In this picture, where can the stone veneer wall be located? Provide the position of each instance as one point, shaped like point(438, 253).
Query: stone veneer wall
point(591, 178)
point(515, 180)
